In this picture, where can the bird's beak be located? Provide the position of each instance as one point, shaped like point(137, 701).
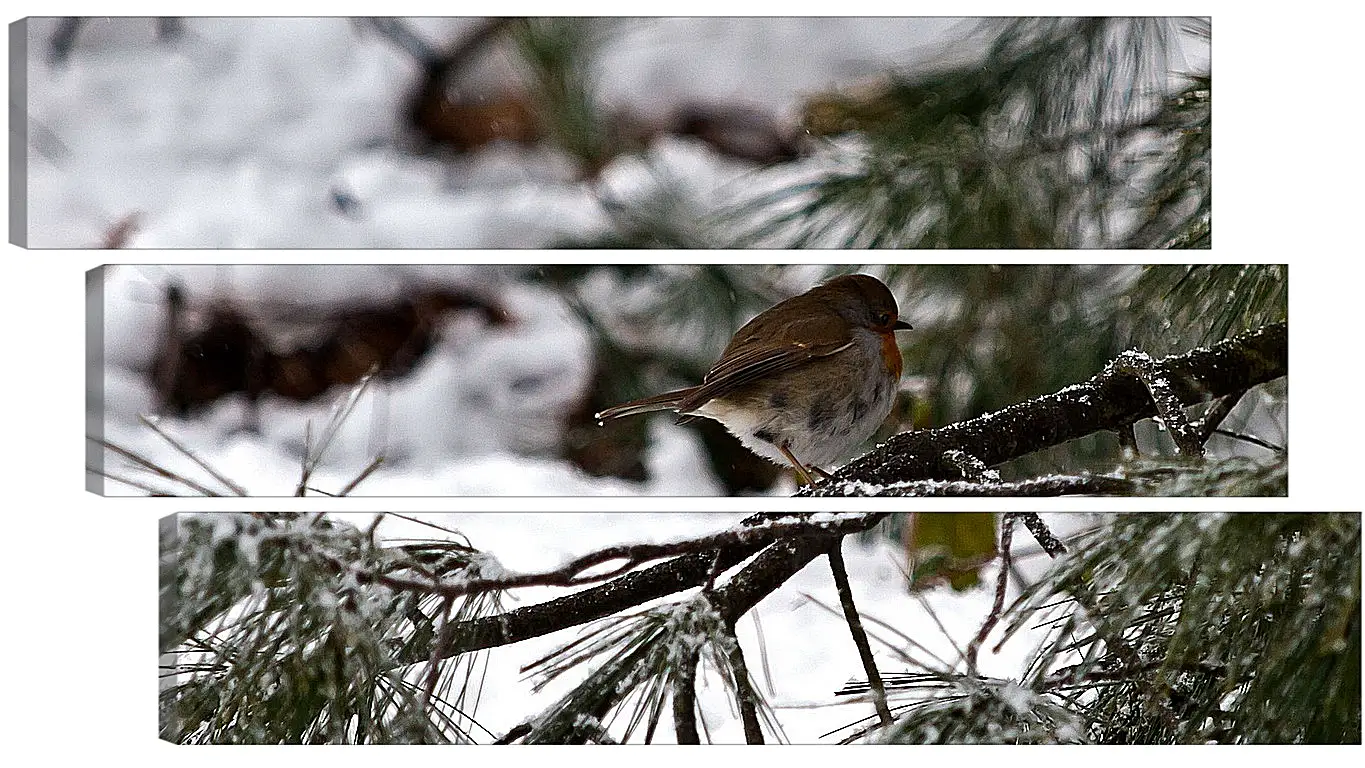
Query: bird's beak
point(901, 325)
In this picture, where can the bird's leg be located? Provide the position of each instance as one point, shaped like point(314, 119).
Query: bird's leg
point(800, 468)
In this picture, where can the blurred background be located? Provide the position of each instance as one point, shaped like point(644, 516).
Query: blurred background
point(486, 378)
point(627, 132)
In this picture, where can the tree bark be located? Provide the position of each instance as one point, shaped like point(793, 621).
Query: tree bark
point(1107, 401)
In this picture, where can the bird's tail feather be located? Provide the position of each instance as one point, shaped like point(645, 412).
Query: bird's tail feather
point(666, 402)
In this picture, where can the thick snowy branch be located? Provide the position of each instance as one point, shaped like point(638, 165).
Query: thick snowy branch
point(1111, 400)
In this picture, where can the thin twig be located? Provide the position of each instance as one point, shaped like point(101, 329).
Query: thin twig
point(154, 491)
point(855, 628)
point(434, 663)
point(191, 455)
point(1208, 424)
point(373, 529)
point(155, 468)
point(1250, 439)
point(360, 478)
point(1001, 585)
point(631, 555)
point(430, 524)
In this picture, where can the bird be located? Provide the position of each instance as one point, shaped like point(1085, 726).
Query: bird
point(803, 382)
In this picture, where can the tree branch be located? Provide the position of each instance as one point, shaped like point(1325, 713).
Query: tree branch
point(574, 573)
point(1052, 545)
point(772, 568)
point(1052, 485)
point(685, 700)
point(745, 696)
point(1169, 409)
point(855, 628)
point(1110, 400)
point(676, 575)
point(1001, 585)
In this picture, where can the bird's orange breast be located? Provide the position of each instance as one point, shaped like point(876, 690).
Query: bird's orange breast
point(891, 355)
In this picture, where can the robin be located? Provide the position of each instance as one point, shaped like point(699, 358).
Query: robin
point(803, 382)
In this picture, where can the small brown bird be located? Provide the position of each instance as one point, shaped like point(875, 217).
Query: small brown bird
point(805, 381)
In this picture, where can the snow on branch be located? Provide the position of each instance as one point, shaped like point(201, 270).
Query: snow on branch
point(1111, 400)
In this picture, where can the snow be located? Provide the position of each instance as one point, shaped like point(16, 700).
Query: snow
point(243, 132)
point(250, 132)
point(481, 415)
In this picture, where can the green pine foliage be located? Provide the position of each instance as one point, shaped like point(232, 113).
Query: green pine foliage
point(1186, 306)
point(1027, 133)
point(558, 56)
point(984, 712)
point(1212, 627)
point(1153, 628)
point(271, 638)
point(637, 662)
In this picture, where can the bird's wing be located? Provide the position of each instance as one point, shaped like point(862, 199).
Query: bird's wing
point(748, 363)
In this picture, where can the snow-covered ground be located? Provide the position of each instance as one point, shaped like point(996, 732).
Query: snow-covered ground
point(242, 132)
point(806, 653)
point(237, 134)
point(482, 414)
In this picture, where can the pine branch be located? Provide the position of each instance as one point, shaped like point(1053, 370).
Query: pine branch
point(684, 572)
point(770, 570)
point(1111, 400)
point(1168, 406)
point(575, 572)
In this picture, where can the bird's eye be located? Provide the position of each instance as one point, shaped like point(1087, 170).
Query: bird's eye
point(884, 318)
